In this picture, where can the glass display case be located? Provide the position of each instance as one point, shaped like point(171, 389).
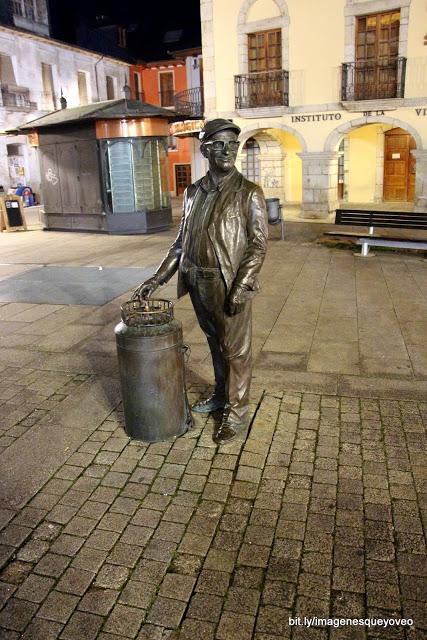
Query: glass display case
point(135, 174)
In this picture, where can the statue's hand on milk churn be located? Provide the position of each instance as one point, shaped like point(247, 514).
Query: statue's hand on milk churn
point(146, 289)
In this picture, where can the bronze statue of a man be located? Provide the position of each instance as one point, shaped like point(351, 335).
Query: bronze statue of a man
point(218, 252)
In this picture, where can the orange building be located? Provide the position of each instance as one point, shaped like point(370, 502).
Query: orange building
point(157, 83)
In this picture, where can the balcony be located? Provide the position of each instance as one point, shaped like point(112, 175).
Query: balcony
point(16, 98)
point(370, 80)
point(190, 102)
point(266, 89)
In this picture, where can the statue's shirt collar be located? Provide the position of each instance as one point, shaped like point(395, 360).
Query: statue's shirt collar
point(207, 183)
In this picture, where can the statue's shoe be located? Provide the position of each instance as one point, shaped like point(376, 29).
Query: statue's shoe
point(208, 406)
point(227, 431)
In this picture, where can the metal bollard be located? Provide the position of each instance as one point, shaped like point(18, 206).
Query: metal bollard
point(151, 365)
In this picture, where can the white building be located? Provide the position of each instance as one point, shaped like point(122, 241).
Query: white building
point(35, 71)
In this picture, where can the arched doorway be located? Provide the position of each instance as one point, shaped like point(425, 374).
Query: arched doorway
point(399, 166)
point(270, 158)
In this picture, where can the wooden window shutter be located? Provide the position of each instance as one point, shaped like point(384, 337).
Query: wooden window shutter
point(265, 51)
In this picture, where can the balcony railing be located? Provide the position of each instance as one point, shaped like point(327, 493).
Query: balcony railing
point(190, 102)
point(17, 100)
point(368, 80)
point(269, 89)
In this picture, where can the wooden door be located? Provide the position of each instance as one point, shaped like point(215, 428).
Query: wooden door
point(166, 88)
point(377, 49)
point(89, 189)
point(68, 163)
point(399, 166)
point(51, 185)
point(182, 177)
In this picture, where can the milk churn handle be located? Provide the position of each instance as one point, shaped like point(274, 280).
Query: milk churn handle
point(185, 348)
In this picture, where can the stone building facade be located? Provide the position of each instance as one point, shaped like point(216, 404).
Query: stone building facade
point(35, 71)
point(331, 97)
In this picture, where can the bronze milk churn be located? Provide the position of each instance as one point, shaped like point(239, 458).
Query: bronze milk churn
point(151, 365)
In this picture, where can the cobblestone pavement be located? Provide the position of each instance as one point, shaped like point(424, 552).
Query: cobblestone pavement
point(315, 511)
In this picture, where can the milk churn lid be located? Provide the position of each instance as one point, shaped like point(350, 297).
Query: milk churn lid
point(147, 312)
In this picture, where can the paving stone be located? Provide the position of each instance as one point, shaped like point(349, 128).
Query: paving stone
point(58, 606)
point(150, 571)
point(35, 588)
point(160, 550)
point(75, 581)
point(80, 526)
point(62, 513)
point(166, 612)
point(40, 629)
point(177, 586)
point(89, 559)
point(112, 576)
point(17, 614)
point(147, 517)
point(67, 545)
point(124, 620)
point(278, 593)
point(235, 626)
point(82, 626)
point(138, 594)
point(32, 551)
point(214, 582)
point(191, 629)
point(242, 600)
point(186, 564)
point(125, 555)
point(102, 540)
point(99, 601)
point(205, 607)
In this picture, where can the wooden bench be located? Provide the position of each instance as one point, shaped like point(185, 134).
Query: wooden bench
point(372, 219)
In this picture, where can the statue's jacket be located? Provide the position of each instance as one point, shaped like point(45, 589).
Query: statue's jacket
point(237, 230)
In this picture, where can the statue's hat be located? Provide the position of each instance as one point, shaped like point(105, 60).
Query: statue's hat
point(218, 124)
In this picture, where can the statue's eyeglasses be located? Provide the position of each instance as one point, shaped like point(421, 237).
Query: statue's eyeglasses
point(219, 145)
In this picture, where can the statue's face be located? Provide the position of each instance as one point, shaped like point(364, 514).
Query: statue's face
point(221, 150)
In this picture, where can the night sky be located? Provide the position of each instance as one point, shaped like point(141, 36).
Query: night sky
point(146, 22)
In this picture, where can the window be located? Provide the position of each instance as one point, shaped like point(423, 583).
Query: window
point(7, 74)
point(377, 37)
point(250, 162)
point(29, 10)
point(137, 85)
point(17, 8)
point(172, 143)
point(377, 49)
point(49, 101)
point(110, 87)
point(82, 84)
point(166, 88)
point(265, 51)
point(182, 177)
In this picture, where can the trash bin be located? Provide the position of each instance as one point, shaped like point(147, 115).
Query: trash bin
point(151, 365)
point(273, 210)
